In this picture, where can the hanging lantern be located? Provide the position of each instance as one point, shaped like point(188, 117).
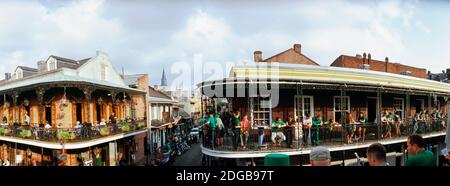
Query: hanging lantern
point(26, 102)
point(64, 98)
point(100, 100)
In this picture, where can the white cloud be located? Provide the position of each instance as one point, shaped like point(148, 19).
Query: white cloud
point(74, 30)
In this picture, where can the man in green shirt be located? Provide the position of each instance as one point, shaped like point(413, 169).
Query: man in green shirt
point(417, 155)
point(212, 128)
point(316, 123)
point(236, 129)
point(277, 131)
point(202, 129)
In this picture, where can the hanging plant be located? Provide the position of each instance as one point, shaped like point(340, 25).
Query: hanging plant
point(125, 128)
point(25, 133)
point(104, 131)
point(65, 135)
point(141, 125)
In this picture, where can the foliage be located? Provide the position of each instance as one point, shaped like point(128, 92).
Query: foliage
point(104, 131)
point(25, 133)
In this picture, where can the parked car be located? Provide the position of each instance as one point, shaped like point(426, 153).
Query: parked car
point(194, 134)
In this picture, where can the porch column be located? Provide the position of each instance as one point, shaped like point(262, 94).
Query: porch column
point(407, 107)
point(447, 137)
point(429, 103)
point(113, 102)
point(343, 114)
point(40, 97)
point(87, 93)
point(112, 152)
point(15, 95)
point(379, 108)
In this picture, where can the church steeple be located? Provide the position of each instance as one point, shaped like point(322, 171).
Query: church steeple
point(163, 79)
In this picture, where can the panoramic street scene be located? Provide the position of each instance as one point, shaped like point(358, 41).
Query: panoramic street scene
point(224, 83)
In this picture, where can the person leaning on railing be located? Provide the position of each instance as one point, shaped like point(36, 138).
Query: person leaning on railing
point(277, 132)
point(212, 129)
point(362, 129)
point(245, 131)
point(317, 121)
point(288, 130)
point(236, 130)
point(306, 125)
point(219, 130)
point(350, 127)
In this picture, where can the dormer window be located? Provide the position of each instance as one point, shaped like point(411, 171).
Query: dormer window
point(51, 65)
point(103, 72)
point(19, 73)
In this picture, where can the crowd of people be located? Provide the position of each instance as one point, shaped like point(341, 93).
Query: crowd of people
point(312, 128)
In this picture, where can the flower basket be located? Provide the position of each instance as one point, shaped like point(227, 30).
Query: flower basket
point(104, 131)
point(125, 128)
point(25, 133)
point(141, 125)
point(66, 135)
point(3, 131)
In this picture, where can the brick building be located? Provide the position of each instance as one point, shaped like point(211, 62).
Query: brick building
point(293, 55)
point(363, 62)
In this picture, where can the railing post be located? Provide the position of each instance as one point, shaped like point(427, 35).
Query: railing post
point(379, 106)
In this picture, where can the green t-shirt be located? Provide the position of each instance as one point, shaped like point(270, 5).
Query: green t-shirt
point(276, 125)
point(363, 121)
point(316, 122)
point(424, 158)
point(202, 121)
point(212, 122)
point(236, 121)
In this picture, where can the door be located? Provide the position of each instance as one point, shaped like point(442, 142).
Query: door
point(419, 105)
point(371, 109)
point(79, 112)
point(99, 112)
point(48, 114)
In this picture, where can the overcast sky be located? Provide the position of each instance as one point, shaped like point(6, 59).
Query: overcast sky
point(147, 36)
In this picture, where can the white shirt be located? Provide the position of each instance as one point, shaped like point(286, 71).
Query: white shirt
point(47, 126)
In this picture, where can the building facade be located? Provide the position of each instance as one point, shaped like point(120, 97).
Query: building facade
point(70, 112)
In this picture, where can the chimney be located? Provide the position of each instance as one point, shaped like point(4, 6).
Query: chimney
point(369, 57)
point(364, 58)
point(358, 56)
point(298, 48)
point(387, 62)
point(448, 75)
point(257, 55)
point(7, 76)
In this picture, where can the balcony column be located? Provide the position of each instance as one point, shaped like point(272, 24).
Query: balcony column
point(87, 93)
point(407, 107)
point(379, 108)
point(40, 97)
point(15, 95)
point(343, 113)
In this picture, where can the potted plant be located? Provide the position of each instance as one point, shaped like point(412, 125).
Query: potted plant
point(66, 135)
point(141, 125)
point(125, 128)
point(104, 131)
point(25, 133)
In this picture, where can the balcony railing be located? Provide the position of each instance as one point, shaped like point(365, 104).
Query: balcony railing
point(68, 135)
point(294, 138)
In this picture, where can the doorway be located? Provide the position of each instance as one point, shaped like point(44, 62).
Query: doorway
point(419, 105)
point(78, 112)
point(99, 112)
point(371, 109)
point(48, 114)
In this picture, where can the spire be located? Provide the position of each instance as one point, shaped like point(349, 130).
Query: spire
point(163, 79)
